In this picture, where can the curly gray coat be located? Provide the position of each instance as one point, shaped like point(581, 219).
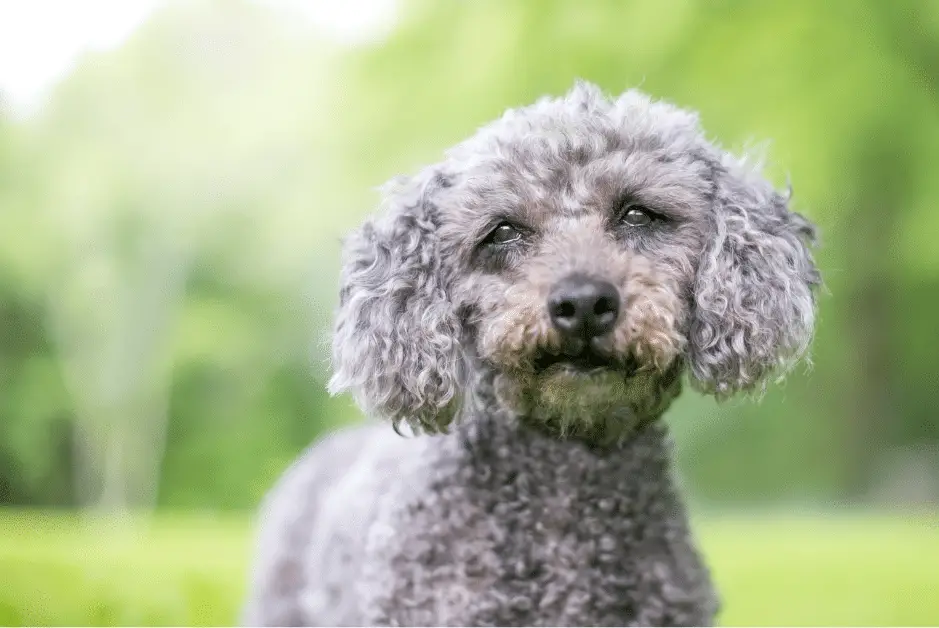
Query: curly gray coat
point(543, 496)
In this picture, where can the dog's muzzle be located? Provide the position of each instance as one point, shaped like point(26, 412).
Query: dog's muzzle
point(584, 311)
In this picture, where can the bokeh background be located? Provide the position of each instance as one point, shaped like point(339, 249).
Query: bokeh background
point(171, 206)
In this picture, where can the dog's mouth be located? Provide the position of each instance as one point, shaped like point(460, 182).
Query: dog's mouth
point(587, 361)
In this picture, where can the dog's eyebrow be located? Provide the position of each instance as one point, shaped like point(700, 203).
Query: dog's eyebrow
point(674, 202)
point(489, 207)
point(482, 228)
point(645, 179)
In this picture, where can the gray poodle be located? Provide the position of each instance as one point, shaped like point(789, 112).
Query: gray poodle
point(532, 302)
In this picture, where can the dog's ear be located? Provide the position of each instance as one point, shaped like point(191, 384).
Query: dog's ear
point(396, 342)
point(754, 294)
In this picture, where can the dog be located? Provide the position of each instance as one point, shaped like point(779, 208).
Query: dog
point(526, 310)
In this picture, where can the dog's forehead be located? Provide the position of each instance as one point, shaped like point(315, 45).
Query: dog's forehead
point(540, 179)
point(585, 120)
point(576, 156)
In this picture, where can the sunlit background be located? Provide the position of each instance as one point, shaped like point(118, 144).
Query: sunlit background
point(175, 179)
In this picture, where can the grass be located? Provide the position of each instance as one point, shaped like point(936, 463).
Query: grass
point(58, 570)
point(189, 570)
point(844, 570)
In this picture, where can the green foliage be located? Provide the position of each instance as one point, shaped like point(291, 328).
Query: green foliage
point(808, 570)
point(166, 293)
point(170, 225)
point(856, 133)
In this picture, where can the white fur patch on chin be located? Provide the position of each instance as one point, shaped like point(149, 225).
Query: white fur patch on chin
point(571, 401)
point(573, 393)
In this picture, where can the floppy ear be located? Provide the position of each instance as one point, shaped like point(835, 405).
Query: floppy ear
point(754, 295)
point(396, 342)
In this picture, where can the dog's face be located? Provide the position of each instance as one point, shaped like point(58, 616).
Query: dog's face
point(576, 255)
point(584, 252)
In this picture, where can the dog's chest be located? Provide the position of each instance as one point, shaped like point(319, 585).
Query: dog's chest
point(540, 536)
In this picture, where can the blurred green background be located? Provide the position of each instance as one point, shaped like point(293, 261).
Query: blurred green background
point(170, 218)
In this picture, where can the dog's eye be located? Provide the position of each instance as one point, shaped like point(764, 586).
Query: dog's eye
point(504, 234)
point(637, 217)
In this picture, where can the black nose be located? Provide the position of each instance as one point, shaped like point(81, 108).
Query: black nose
point(583, 307)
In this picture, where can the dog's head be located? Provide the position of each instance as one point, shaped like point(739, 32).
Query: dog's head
point(585, 252)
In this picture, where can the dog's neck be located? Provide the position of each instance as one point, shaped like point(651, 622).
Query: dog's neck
point(613, 439)
point(607, 429)
point(578, 534)
point(610, 518)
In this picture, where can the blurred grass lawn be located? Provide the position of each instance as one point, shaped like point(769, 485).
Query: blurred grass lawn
point(188, 570)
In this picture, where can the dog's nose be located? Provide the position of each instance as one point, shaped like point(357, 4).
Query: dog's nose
point(583, 307)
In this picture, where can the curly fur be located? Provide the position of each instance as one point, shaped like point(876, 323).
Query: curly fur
point(545, 497)
point(396, 343)
point(754, 293)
